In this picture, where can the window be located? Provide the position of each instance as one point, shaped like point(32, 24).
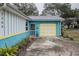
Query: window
point(26, 25)
point(26, 28)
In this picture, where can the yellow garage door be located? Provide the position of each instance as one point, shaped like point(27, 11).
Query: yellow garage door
point(47, 30)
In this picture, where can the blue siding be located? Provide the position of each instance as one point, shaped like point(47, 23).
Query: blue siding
point(37, 23)
point(11, 41)
point(58, 30)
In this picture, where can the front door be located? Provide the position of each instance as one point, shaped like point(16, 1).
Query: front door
point(32, 29)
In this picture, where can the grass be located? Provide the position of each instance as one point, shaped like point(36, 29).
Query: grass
point(69, 33)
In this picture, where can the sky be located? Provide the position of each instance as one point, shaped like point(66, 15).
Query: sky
point(41, 5)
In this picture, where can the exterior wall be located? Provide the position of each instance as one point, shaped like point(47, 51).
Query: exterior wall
point(2, 23)
point(13, 40)
point(12, 29)
point(37, 23)
point(6, 24)
point(12, 24)
point(58, 26)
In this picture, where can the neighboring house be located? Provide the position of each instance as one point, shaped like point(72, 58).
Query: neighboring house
point(15, 26)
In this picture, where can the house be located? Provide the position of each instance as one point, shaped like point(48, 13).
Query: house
point(16, 26)
point(43, 26)
point(12, 25)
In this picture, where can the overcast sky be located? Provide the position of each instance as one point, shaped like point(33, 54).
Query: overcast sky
point(40, 6)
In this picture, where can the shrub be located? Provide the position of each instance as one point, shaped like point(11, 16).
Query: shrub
point(13, 50)
point(8, 51)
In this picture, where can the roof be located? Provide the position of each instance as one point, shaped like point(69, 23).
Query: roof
point(13, 9)
point(45, 18)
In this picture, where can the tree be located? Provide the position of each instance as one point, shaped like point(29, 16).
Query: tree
point(76, 12)
point(62, 9)
point(1, 4)
point(48, 9)
point(27, 8)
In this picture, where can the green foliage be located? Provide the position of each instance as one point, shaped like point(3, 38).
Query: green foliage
point(13, 50)
point(27, 8)
point(1, 4)
point(71, 34)
point(63, 9)
point(8, 51)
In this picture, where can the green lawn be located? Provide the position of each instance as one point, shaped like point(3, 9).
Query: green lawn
point(72, 34)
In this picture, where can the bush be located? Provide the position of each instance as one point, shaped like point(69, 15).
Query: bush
point(63, 32)
point(8, 51)
point(13, 50)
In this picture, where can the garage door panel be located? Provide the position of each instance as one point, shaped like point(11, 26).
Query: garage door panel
point(42, 28)
point(47, 29)
point(43, 34)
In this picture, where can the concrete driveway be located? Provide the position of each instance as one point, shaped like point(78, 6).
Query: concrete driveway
point(52, 47)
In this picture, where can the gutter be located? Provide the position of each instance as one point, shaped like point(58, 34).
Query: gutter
point(17, 12)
